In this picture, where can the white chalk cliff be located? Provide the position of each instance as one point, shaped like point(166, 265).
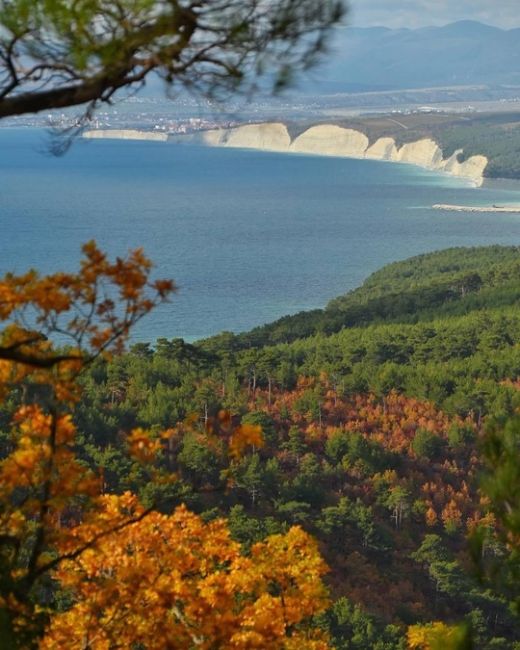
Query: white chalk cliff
point(331, 140)
point(125, 134)
point(271, 136)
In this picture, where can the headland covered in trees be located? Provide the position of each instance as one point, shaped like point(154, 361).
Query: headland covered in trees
point(343, 478)
point(373, 412)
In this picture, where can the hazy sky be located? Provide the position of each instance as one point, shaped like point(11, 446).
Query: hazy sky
point(419, 13)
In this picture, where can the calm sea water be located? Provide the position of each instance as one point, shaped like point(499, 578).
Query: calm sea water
point(248, 236)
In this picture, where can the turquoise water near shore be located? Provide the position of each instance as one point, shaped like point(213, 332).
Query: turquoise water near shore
point(248, 236)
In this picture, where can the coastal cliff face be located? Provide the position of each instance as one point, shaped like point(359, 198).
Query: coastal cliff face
point(472, 167)
point(272, 136)
point(332, 140)
point(125, 134)
point(323, 140)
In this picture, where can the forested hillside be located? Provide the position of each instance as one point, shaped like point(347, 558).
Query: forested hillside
point(372, 414)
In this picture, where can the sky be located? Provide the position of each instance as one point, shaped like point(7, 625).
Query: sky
point(421, 13)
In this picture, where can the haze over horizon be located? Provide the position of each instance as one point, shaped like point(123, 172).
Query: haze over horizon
point(426, 13)
point(464, 52)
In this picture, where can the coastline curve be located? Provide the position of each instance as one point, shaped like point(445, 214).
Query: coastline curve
point(322, 140)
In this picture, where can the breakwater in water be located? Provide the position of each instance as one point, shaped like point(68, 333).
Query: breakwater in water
point(483, 208)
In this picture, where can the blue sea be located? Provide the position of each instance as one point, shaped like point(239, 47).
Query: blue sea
point(248, 236)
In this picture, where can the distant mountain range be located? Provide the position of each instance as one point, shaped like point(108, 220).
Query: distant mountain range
point(460, 54)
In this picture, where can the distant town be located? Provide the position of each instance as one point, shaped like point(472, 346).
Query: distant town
point(187, 114)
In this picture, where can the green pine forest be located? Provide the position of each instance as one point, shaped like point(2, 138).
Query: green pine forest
point(381, 415)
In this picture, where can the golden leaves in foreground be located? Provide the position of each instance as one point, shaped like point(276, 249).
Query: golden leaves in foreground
point(53, 326)
point(177, 582)
point(131, 577)
point(91, 311)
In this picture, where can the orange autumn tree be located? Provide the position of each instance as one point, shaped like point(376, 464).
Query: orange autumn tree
point(175, 582)
point(80, 569)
